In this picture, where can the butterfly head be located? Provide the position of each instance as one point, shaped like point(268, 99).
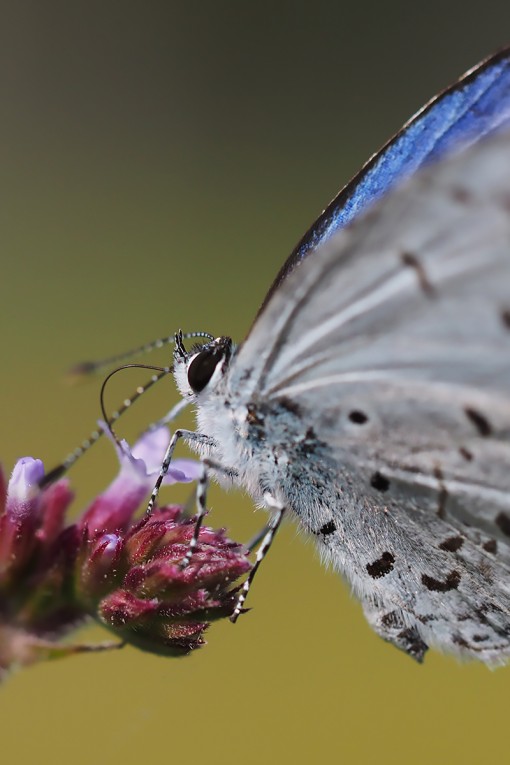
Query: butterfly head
point(199, 369)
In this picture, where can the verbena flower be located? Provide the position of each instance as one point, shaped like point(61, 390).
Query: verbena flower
point(107, 565)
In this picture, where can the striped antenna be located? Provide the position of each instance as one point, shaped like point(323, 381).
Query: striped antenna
point(68, 462)
point(86, 368)
point(89, 367)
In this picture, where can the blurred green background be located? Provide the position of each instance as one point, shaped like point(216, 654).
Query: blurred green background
point(158, 161)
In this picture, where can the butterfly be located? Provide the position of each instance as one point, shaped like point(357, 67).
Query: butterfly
point(371, 397)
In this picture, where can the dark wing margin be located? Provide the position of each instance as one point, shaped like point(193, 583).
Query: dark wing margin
point(477, 105)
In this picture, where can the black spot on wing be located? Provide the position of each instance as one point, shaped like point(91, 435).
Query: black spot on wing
point(391, 619)
point(466, 454)
point(290, 406)
point(436, 585)
point(381, 566)
point(476, 639)
point(379, 482)
point(479, 420)
point(459, 640)
point(406, 638)
point(505, 318)
point(410, 260)
point(426, 618)
point(491, 546)
point(452, 544)
point(412, 644)
point(503, 521)
point(358, 417)
point(489, 608)
point(327, 529)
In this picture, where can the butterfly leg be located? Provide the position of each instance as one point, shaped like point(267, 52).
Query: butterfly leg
point(201, 504)
point(200, 499)
point(191, 436)
point(257, 539)
point(391, 624)
point(272, 528)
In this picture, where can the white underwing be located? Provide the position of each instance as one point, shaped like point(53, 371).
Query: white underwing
point(372, 398)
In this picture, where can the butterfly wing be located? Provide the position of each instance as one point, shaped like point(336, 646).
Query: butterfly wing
point(475, 106)
point(392, 344)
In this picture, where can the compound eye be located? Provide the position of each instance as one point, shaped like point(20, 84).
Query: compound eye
point(202, 368)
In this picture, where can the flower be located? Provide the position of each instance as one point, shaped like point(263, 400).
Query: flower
point(109, 566)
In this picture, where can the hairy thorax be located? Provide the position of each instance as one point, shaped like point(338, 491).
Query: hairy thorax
point(273, 450)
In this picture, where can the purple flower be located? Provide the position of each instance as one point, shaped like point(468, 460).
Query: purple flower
point(139, 468)
point(123, 572)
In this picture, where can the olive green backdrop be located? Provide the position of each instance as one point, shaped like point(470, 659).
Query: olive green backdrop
point(158, 161)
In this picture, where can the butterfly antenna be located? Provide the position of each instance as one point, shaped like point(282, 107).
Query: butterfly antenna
point(86, 368)
point(89, 367)
point(80, 450)
point(128, 402)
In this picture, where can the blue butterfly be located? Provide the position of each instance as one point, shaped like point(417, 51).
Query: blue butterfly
point(371, 398)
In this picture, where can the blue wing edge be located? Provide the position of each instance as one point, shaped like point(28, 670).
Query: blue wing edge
point(477, 105)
